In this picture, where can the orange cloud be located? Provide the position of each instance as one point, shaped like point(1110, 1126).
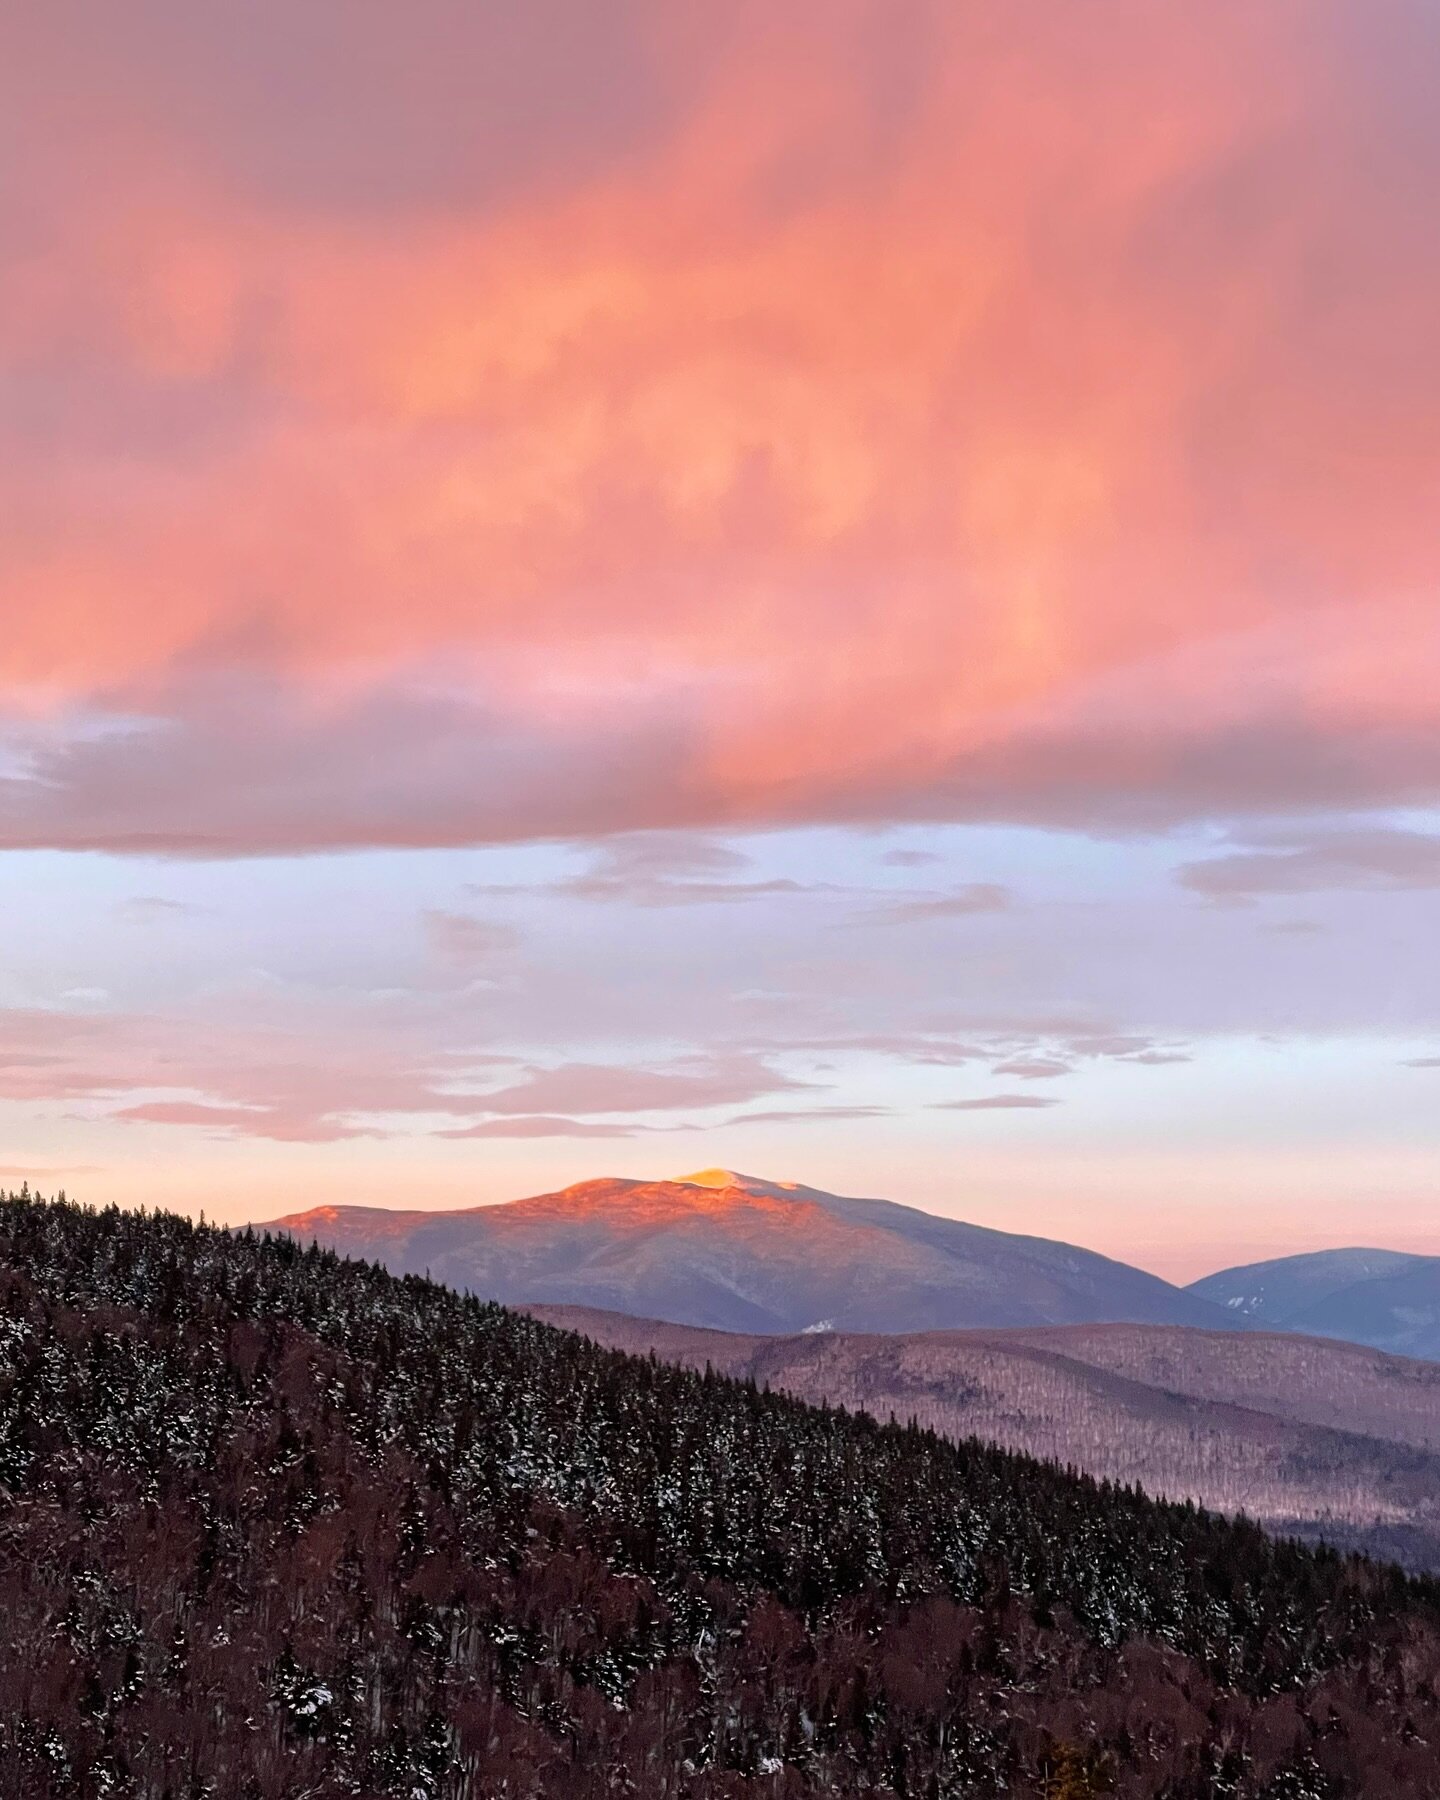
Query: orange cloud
point(924, 411)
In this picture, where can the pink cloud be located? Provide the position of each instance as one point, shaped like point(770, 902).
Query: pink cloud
point(816, 1115)
point(904, 1046)
point(815, 454)
point(1034, 1068)
point(243, 1121)
point(538, 1125)
point(612, 1088)
point(465, 941)
point(997, 1103)
point(316, 1085)
point(961, 903)
point(1104, 1043)
point(1373, 858)
point(148, 908)
point(673, 868)
point(910, 859)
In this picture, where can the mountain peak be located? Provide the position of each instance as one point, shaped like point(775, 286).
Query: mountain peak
point(723, 1249)
point(731, 1178)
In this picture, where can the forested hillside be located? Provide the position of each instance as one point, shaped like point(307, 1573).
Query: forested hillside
point(275, 1524)
point(1309, 1437)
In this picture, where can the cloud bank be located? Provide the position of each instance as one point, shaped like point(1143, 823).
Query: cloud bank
point(836, 412)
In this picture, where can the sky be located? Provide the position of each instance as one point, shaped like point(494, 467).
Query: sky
point(848, 590)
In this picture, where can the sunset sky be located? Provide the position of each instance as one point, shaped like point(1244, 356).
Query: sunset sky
point(850, 590)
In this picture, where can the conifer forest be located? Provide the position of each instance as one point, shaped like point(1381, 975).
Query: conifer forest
point(276, 1525)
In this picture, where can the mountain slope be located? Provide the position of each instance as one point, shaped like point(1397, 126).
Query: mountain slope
point(1399, 1312)
point(735, 1253)
point(275, 1524)
point(1272, 1293)
point(1385, 1298)
point(1340, 1386)
point(1307, 1437)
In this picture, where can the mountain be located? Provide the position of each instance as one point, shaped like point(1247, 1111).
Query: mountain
point(273, 1523)
point(1399, 1312)
point(736, 1253)
point(1271, 1293)
point(1385, 1298)
point(1309, 1437)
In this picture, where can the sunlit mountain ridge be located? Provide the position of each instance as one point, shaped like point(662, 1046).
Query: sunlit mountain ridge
point(742, 1253)
point(728, 1251)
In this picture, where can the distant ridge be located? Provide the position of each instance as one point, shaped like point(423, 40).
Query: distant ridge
point(737, 1252)
point(1389, 1299)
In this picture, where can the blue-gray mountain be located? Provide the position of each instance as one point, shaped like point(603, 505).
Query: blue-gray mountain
point(1385, 1298)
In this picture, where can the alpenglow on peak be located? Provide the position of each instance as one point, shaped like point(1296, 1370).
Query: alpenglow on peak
point(728, 1178)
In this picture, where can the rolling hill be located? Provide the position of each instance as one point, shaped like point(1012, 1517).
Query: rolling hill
point(735, 1253)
